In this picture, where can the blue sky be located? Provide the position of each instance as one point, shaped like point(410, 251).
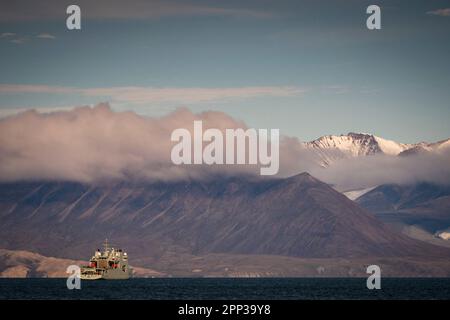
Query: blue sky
point(309, 68)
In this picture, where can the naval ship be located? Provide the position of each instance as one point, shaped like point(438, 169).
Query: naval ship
point(109, 264)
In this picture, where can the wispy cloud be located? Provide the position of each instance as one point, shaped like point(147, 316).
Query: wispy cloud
point(25, 10)
point(141, 95)
point(7, 35)
point(6, 112)
point(189, 95)
point(18, 88)
point(19, 40)
point(13, 37)
point(445, 12)
point(45, 36)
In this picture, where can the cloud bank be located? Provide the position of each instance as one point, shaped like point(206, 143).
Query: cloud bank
point(370, 171)
point(90, 144)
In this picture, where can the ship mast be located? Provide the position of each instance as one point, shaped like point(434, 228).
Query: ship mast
point(105, 245)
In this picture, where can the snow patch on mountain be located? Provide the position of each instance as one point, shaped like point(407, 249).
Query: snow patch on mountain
point(391, 147)
point(355, 194)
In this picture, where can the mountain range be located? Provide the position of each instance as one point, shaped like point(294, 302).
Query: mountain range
point(420, 209)
point(235, 225)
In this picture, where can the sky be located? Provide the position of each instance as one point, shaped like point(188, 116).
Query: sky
point(308, 68)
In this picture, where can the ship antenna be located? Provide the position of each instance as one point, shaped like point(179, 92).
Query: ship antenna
point(105, 245)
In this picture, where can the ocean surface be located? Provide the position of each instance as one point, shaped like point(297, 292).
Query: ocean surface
point(229, 289)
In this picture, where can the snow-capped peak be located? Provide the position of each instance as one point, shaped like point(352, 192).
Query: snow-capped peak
point(358, 144)
point(331, 147)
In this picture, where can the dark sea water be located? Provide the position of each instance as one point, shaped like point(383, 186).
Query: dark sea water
point(219, 288)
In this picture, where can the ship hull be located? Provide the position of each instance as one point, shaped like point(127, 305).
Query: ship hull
point(108, 274)
point(94, 277)
point(115, 274)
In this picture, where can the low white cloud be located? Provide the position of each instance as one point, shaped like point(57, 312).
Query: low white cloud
point(374, 170)
point(445, 12)
point(90, 144)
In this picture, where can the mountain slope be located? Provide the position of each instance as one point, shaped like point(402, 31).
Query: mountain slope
point(298, 216)
point(424, 204)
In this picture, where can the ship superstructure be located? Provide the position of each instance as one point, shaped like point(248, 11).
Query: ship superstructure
point(109, 264)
